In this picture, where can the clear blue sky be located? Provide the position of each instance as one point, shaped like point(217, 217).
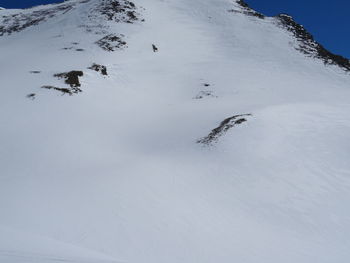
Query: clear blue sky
point(327, 20)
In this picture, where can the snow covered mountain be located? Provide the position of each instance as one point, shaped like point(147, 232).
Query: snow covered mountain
point(170, 131)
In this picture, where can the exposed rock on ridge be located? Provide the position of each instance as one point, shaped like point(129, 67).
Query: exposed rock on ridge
point(309, 46)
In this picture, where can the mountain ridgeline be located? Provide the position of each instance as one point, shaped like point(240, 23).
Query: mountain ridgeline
point(307, 44)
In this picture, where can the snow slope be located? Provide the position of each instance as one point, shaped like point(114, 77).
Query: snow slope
point(115, 173)
point(19, 246)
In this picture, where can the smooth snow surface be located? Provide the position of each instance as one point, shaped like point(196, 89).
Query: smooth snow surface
point(114, 173)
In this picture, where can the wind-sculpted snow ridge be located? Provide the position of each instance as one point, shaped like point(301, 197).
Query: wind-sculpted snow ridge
point(309, 46)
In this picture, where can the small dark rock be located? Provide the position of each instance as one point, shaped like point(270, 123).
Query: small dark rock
point(155, 49)
point(99, 68)
point(203, 94)
point(31, 96)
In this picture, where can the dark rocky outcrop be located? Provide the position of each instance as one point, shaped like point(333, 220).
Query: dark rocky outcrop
point(247, 10)
point(71, 78)
point(69, 91)
point(112, 42)
point(224, 126)
point(309, 46)
point(119, 10)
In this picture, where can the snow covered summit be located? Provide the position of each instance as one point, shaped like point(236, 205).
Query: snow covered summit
point(170, 131)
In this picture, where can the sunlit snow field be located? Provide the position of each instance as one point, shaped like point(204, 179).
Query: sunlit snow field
point(114, 174)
